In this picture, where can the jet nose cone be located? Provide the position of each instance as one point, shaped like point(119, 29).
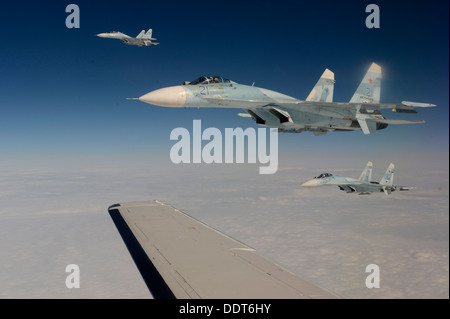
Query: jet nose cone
point(311, 183)
point(102, 35)
point(174, 96)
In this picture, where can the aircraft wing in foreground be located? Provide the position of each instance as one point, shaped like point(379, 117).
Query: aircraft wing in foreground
point(318, 113)
point(363, 185)
point(180, 257)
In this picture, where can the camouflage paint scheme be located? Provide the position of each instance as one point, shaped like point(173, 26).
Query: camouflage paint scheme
point(318, 113)
point(363, 185)
point(143, 39)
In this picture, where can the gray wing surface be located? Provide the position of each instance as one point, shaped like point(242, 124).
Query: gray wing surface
point(366, 188)
point(180, 257)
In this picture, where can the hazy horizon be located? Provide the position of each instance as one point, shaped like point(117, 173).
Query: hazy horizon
point(71, 144)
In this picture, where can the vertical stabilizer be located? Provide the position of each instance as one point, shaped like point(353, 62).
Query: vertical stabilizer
point(366, 175)
point(148, 35)
point(388, 178)
point(323, 91)
point(141, 34)
point(369, 89)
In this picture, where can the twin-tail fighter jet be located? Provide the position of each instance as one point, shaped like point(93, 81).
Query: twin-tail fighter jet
point(363, 185)
point(143, 39)
point(317, 114)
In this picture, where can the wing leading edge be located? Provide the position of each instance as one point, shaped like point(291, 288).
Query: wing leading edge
point(180, 257)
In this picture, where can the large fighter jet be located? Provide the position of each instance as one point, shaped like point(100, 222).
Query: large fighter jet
point(363, 185)
point(142, 39)
point(317, 113)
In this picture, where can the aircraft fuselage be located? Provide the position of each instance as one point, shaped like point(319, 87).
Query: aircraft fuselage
point(261, 103)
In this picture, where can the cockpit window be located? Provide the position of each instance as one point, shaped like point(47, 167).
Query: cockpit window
point(209, 79)
point(324, 175)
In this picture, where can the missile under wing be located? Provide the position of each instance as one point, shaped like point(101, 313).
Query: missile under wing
point(317, 113)
point(180, 257)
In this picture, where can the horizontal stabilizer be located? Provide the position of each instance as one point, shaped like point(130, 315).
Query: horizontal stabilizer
point(416, 104)
point(405, 188)
point(395, 121)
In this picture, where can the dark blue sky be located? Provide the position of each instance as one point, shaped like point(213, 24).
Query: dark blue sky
point(63, 90)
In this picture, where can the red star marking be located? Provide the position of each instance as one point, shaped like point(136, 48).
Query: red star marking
point(370, 81)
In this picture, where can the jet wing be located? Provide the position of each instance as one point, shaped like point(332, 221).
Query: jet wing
point(366, 188)
point(366, 114)
point(405, 105)
point(239, 103)
point(180, 257)
point(361, 188)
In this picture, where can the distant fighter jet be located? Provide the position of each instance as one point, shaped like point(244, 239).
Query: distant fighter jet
point(362, 185)
point(317, 114)
point(143, 39)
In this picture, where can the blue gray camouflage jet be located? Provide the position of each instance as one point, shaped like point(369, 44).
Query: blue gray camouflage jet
point(363, 185)
point(143, 39)
point(317, 114)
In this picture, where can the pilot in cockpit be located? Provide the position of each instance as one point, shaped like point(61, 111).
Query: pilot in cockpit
point(324, 175)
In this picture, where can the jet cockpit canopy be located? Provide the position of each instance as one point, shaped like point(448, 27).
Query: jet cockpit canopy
point(324, 175)
point(208, 79)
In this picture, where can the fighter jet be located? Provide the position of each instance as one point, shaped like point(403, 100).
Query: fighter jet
point(362, 185)
point(142, 39)
point(317, 113)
